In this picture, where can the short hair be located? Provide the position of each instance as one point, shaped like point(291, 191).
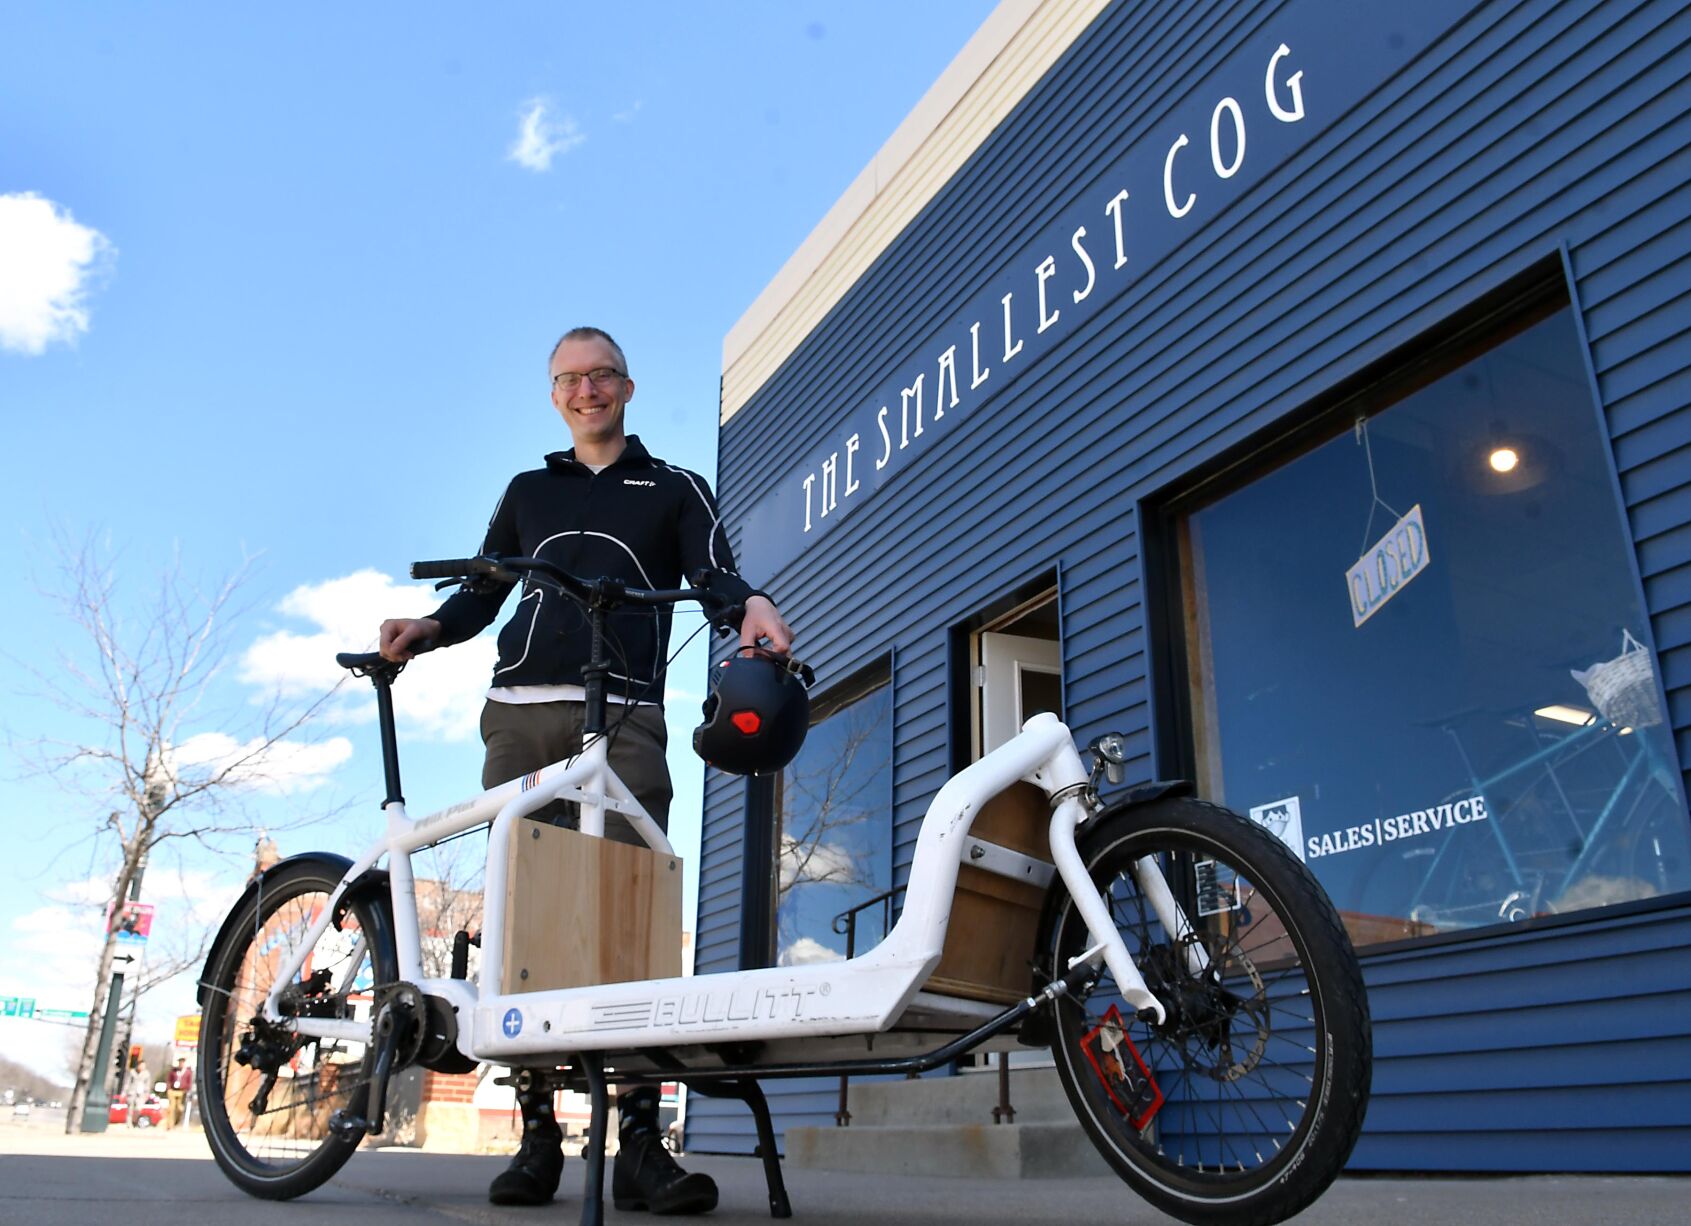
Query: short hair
point(584, 333)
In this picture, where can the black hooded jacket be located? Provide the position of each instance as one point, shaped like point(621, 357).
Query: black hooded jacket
point(640, 520)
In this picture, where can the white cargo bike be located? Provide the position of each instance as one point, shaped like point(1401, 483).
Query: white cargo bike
point(1195, 987)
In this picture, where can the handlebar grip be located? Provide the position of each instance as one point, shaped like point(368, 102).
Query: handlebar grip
point(449, 568)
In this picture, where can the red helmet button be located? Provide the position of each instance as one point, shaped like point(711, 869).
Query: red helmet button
point(747, 722)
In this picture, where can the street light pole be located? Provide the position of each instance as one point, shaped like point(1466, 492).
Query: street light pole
point(96, 1110)
point(97, 1107)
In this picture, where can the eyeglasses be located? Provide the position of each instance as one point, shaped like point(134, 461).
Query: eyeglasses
point(569, 380)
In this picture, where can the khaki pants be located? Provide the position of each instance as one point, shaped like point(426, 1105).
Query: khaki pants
point(176, 1107)
point(523, 737)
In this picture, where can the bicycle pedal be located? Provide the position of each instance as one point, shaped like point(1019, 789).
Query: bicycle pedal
point(348, 1127)
point(1122, 1071)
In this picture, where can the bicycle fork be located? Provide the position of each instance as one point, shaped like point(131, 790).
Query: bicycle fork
point(1106, 940)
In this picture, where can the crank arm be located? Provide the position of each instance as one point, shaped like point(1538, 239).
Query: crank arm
point(379, 1061)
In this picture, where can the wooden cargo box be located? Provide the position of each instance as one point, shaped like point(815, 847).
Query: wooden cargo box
point(581, 910)
point(989, 944)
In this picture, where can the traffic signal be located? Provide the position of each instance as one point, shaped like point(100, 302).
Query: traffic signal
point(134, 1057)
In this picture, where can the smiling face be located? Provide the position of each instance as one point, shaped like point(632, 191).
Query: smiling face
point(592, 409)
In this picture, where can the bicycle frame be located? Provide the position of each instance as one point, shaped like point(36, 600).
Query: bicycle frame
point(863, 995)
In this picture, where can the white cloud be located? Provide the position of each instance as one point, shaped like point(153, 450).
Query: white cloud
point(440, 695)
point(50, 953)
point(83, 893)
point(542, 136)
point(629, 115)
point(281, 767)
point(193, 896)
point(47, 261)
point(823, 862)
point(806, 951)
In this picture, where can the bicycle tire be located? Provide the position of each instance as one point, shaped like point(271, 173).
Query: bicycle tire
point(280, 1146)
point(1265, 1058)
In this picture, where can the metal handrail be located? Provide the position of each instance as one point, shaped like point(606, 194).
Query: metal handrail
point(849, 918)
point(845, 923)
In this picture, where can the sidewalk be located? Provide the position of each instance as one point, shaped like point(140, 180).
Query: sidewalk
point(161, 1179)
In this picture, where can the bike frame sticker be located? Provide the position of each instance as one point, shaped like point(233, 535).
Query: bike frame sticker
point(1121, 1080)
point(513, 1023)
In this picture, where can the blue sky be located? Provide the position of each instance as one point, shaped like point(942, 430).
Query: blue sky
point(282, 285)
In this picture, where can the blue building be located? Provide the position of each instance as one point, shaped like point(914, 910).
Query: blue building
point(1300, 389)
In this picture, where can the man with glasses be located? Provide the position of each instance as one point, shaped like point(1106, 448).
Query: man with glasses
point(606, 507)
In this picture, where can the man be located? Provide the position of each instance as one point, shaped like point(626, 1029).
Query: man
point(178, 1082)
point(604, 508)
point(137, 1088)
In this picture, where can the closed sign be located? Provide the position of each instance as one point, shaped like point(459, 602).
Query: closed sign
point(1382, 572)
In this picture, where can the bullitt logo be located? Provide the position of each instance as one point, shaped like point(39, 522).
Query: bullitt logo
point(513, 1023)
point(708, 1008)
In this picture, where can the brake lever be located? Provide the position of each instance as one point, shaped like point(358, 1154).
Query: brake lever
point(726, 620)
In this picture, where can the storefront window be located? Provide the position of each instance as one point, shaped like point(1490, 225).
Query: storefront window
point(1415, 655)
point(835, 838)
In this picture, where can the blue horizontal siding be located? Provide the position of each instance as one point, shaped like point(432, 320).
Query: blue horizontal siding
point(1527, 128)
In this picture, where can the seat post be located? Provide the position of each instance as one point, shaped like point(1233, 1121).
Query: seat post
point(383, 681)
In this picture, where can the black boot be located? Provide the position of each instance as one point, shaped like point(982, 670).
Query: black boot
point(645, 1176)
point(532, 1177)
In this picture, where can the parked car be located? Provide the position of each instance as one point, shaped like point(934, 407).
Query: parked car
point(151, 1113)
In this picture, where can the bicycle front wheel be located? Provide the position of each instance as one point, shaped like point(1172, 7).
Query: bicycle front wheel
point(1245, 1102)
point(266, 1091)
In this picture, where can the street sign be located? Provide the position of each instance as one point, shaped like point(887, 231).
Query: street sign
point(17, 1006)
point(188, 1030)
point(61, 1015)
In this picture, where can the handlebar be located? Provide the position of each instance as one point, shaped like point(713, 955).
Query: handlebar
point(454, 568)
point(601, 593)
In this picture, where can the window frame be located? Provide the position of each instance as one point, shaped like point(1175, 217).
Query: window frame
point(1535, 294)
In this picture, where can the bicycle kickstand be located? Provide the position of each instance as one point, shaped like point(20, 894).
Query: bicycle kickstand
point(750, 1092)
point(593, 1192)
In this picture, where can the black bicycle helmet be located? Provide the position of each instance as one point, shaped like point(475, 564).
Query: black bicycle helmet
point(756, 715)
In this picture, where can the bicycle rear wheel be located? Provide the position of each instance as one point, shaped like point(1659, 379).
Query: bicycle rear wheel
point(266, 1091)
point(1245, 1102)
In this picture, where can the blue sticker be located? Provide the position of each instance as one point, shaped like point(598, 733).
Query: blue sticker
point(513, 1023)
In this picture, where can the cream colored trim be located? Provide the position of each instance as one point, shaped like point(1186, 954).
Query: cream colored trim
point(1011, 51)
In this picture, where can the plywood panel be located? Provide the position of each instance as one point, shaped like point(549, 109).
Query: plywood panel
point(582, 910)
point(989, 943)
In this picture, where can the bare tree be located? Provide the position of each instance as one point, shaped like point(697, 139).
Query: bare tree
point(449, 901)
point(136, 678)
point(829, 790)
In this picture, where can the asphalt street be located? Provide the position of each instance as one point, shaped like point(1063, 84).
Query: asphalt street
point(154, 1179)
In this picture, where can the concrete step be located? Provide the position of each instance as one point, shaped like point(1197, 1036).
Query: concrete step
point(967, 1098)
point(943, 1126)
point(964, 1151)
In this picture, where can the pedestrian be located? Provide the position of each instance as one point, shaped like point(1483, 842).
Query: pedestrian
point(137, 1088)
point(179, 1082)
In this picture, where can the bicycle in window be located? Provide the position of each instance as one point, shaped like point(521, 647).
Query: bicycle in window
point(1585, 816)
point(1204, 1009)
